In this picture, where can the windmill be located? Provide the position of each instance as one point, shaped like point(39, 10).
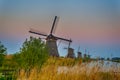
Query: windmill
point(79, 54)
point(70, 53)
point(51, 40)
point(85, 55)
point(89, 56)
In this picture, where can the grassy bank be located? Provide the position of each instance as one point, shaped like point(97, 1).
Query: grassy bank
point(71, 69)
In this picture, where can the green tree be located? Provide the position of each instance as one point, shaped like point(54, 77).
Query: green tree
point(33, 53)
point(3, 52)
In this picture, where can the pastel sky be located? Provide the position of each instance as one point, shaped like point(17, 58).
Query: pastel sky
point(91, 24)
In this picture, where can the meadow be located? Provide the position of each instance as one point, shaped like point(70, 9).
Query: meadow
point(73, 69)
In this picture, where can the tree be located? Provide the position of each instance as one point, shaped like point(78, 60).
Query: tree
point(33, 53)
point(3, 52)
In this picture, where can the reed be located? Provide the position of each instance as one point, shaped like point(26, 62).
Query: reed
point(71, 69)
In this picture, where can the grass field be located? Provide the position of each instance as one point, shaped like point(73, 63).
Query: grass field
point(73, 69)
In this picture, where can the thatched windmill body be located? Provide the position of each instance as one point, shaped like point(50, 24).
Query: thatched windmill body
point(51, 40)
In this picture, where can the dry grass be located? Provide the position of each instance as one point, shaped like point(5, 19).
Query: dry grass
point(70, 69)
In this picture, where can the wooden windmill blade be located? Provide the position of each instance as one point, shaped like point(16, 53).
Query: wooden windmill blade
point(63, 39)
point(37, 32)
point(54, 22)
point(67, 40)
point(54, 25)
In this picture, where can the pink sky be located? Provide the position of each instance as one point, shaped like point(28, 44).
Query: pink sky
point(85, 31)
point(85, 22)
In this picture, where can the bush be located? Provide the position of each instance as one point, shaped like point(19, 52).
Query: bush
point(33, 53)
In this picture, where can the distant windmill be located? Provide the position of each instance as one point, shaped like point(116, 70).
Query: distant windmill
point(79, 54)
point(89, 56)
point(70, 53)
point(51, 40)
point(85, 55)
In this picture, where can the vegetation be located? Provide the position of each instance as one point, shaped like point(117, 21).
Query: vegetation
point(32, 62)
point(72, 69)
point(3, 52)
point(33, 53)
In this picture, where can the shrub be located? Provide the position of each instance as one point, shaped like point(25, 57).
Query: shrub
point(33, 53)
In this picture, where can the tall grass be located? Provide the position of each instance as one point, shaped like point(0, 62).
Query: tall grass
point(72, 69)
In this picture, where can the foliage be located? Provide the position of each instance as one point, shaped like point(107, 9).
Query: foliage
point(33, 53)
point(17, 60)
point(3, 52)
